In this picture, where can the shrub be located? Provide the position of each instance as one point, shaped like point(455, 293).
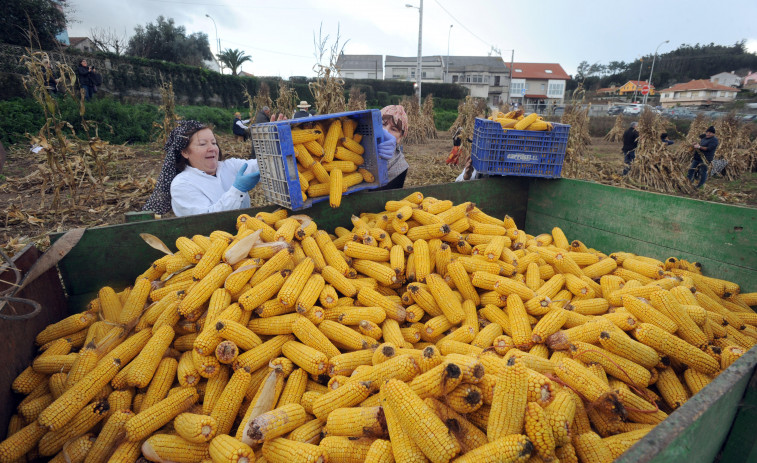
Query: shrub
point(19, 116)
point(443, 119)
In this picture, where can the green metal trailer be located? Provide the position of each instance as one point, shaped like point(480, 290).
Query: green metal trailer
point(714, 425)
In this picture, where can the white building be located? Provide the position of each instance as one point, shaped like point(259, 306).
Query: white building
point(697, 93)
point(729, 79)
point(538, 84)
point(360, 66)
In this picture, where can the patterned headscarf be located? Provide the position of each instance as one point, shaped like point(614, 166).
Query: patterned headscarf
point(178, 140)
point(397, 114)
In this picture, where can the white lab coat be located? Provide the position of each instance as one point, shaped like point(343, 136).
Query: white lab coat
point(195, 192)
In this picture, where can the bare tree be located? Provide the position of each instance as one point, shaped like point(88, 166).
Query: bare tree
point(108, 40)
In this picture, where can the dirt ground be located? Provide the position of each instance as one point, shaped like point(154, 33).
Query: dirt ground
point(132, 170)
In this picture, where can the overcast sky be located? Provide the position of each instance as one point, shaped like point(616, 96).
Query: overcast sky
point(278, 35)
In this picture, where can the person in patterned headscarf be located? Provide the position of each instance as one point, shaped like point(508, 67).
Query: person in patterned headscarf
point(195, 179)
point(389, 149)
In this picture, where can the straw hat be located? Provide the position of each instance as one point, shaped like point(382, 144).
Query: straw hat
point(303, 105)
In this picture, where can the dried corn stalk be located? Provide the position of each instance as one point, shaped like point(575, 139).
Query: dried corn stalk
point(420, 121)
point(168, 109)
point(733, 147)
point(656, 166)
point(262, 99)
point(328, 88)
point(616, 132)
point(467, 112)
point(357, 100)
point(577, 116)
point(287, 101)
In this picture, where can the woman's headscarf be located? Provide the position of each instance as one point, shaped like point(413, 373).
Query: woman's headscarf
point(397, 114)
point(178, 140)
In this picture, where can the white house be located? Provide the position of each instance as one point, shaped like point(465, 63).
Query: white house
point(82, 43)
point(729, 79)
point(537, 84)
point(360, 66)
point(697, 93)
point(484, 76)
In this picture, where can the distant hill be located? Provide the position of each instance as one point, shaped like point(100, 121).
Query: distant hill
point(681, 65)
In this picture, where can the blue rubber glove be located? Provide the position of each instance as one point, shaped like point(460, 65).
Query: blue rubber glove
point(246, 182)
point(387, 145)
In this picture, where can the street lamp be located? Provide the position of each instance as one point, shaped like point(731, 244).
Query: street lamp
point(446, 72)
point(636, 87)
point(652, 70)
point(218, 42)
point(418, 76)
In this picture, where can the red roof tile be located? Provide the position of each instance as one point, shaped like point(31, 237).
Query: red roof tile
point(700, 84)
point(538, 71)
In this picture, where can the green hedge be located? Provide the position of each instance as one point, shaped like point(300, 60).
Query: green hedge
point(135, 123)
point(118, 122)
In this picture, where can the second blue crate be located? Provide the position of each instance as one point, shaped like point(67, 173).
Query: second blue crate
point(518, 152)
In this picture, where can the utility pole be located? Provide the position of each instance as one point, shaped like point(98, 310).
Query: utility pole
point(419, 68)
point(636, 87)
point(652, 70)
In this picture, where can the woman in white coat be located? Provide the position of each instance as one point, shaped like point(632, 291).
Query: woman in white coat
point(196, 179)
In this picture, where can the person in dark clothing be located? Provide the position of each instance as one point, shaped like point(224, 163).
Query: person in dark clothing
point(703, 156)
point(630, 140)
point(239, 127)
point(302, 110)
point(263, 116)
point(665, 140)
point(85, 80)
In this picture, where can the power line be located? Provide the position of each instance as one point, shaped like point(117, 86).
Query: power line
point(266, 50)
point(463, 25)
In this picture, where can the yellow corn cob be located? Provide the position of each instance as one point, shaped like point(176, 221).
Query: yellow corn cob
point(82, 422)
point(348, 395)
point(262, 354)
point(195, 428)
point(144, 366)
point(671, 389)
point(282, 450)
point(676, 348)
point(404, 448)
point(151, 419)
point(275, 423)
point(161, 382)
point(224, 448)
point(135, 302)
point(617, 342)
point(687, 329)
point(295, 283)
point(335, 187)
point(332, 137)
point(421, 260)
point(444, 297)
point(166, 447)
point(311, 336)
point(74, 399)
point(108, 437)
point(622, 368)
point(263, 291)
point(76, 450)
point(340, 448)
point(419, 421)
point(377, 270)
point(590, 447)
point(66, 327)
point(304, 135)
point(356, 422)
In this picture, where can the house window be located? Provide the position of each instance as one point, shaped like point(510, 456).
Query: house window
point(455, 78)
point(412, 73)
point(703, 93)
point(688, 94)
point(676, 95)
point(542, 88)
point(496, 81)
point(474, 78)
point(555, 89)
point(400, 73)
point(517, 88)
point(423, 74)
point(548, 71)
point(518, 70)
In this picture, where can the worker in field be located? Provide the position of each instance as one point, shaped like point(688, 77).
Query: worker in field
point(389, 147)
point(630, 141)
point(302, 110)
point(196, 179)
point(263, 116)
point(239, 127)
point(703, 155)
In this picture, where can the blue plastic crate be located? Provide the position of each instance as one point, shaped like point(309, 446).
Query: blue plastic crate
point(278, 164)
point(518, 152)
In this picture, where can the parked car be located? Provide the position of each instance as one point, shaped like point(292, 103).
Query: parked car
point(615, 110)
point(679, 113)
point(749, 117)
point(637, 108)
